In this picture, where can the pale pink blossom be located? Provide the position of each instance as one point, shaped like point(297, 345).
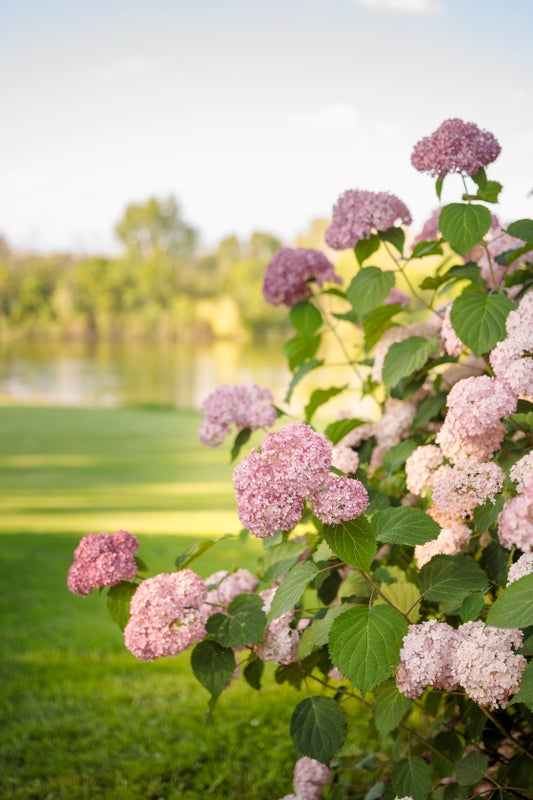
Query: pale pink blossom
point(344, 458)
point(430, 229)
point(449, 542)
point(280, 642)
point(425, 658)
point(521, 568)
point(397, 297)
point(484, 664)
point(102, 559)
point(272, 484)
point(289, 275)
point(452, 343)
point(166, 615)
point(522, 472)
point(515, 523)
point(223, 587)
point(420, 467)
point(340, 499)
point(247, 406)
point(358, 214)
point(359, 435)
point(455, 146)
point(511, 358)
point(310, 777)
point(459, 489)
point(395, 424)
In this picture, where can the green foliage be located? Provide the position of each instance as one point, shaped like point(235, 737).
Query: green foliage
point(291, 588)
point(479, 319)
point(353, 541)
point(404, 526)
point(513, 608)
point(368, 289)
point(318, 728)
point(213, 666)
point(411, 777)
point(118, 602)
point(243, 624)
point(390, 707)
point(464, 225)
point(451, 578)
point(404, 358)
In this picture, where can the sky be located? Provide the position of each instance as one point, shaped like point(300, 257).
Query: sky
point(255, 114)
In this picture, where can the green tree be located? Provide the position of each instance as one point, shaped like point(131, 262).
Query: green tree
point(156, 226)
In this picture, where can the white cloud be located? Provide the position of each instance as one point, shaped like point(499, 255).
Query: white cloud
point(124, 67)
point(338, 117)
point(402, 6)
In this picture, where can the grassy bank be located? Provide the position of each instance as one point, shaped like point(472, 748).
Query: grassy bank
point(81, 718)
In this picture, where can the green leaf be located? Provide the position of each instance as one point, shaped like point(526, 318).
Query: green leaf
point(318, 728)
point(451, 578)
point(243, 624)
point(490, 192)
point(300, 373)
point(300, 349)
point(253, 672)
point(291, 588)
point(430, 248)
point(364, 644)
point(464, 225)
point(454, 791)
point(522, 229)
point(319, 397)
point(479, 319)
point(513, 608)
point(471, 607)
point(390, 707)
point(316, 634)
point(403, 596)
point(306, 318)
point(404, 525)
point(189, 555)
point(397, 455)
point(411, 777)
point(480, 178)
point(467, 272)
point(404, 358)
point(213, 666)
point(278, 560)
point(240, 440)
point(378, 321)
point(365, 248)
point(118, 602)
point(336, 431)
point(352, 541)
point(525, 693)
point(471, 768)
point(450, 749)
point(508, 257)
point(396, 237)
point(438, 187)
point(487, 514)
point(369, 288)
point(429, 408)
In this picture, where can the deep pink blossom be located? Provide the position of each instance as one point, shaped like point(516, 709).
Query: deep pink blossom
point(247, 406)
point(289, 274)
point(102, 559)
point(358, 214)
point(340, 499)
point(455, 146)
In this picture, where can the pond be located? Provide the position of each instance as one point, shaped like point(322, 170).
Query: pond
point(133, 373)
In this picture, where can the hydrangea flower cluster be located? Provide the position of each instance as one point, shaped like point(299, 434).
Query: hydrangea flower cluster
point(358, 214)
point(515, 523)
point(102, 559)
point(477, 657)
point(280, 642)
point(455, 146)
point(511, 358)
point(289, 274)
point(521, 568)
point(522, 471)
point(449, 542)
point(473, 425)
point(452, 344)
point(339, 499)
point(223, 587)
point(344, 458)
point(248, 406)
point(166, 615)
point(420, 468)
point(459, 489)
point(310, 777)
point(272, 484)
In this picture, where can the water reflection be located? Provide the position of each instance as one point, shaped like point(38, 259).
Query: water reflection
point(108, 374)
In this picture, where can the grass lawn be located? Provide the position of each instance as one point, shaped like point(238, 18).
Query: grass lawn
point(80, 717)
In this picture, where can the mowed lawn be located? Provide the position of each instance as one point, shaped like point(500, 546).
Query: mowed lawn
point(80, 716)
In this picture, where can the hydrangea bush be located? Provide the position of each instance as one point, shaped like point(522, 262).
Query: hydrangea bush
point(396, 582)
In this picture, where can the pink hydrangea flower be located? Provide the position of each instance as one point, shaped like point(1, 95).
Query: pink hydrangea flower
point(248, 406)
point(289, 274)
point(452, 344)
point(484, 664)
point(223, 587)
point(449, 542)
point(102, 559)
point(340, 499)
point(515, 523)
point(397, 297)
point(425, 658)
point(522, 472)
point(395, 423)
point(280, 642)
point(459, 489)
point(521, 568)
point(455, 146)
point(358, 214)
point(430, 229)
point(272, 484)
point(511, 359)
point(344, 458)
point(166, 615)
point(310, 777)
point(420, 467)
point(473, 424)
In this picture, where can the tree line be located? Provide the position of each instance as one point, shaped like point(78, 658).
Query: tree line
point(161, 285)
